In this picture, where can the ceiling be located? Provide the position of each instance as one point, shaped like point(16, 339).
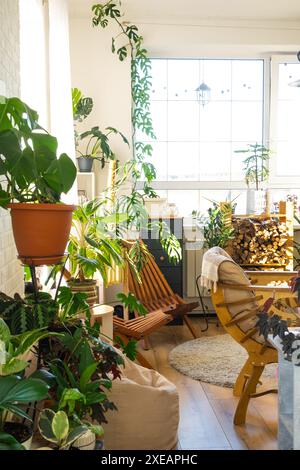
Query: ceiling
point(166, 11)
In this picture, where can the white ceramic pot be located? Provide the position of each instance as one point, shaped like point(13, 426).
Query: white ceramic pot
point(256, 201)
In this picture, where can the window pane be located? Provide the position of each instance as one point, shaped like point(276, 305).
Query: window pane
point(217, 75)
point(159, 160)
point(183, 121)
point(159, 79)
point(288, 73)
point(183, 161)
point(247, 80)
point(247, 121)
point(215, 161)
point(183, 79)
point(185, 200)
point(288, 158)
point(215, 122)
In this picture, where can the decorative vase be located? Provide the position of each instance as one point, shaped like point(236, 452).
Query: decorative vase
point(41, 231)
point(256, 201)
point(85, 164)
point(88, 287)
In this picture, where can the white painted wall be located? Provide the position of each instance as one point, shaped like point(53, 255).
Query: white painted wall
point(11, 273)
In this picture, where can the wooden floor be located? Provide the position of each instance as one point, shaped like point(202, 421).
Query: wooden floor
point(206, 411)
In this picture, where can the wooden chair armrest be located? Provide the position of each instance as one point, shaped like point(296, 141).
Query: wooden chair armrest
point(254, 288)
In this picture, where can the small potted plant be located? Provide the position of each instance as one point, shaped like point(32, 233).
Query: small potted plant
point(256, 173)
point(90, 249)
point(33, 180)
point(97, 147)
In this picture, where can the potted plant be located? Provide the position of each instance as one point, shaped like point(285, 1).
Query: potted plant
point(15, 389)
point(91, 249)
point(216, 229)
point(97, 147)
point(55, 428)
point(40, 310)
point(256, 173)
point(33, 180)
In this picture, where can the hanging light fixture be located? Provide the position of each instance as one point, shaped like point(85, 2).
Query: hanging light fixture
point(203, 94)
point(203, 91)
point(297, 82)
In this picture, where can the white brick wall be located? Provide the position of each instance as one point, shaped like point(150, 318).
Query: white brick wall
point(11, 272)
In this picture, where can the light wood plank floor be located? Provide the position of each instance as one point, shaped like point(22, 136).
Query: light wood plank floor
point(206, 411)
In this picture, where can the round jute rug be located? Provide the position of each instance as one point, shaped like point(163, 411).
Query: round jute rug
point(214, 359)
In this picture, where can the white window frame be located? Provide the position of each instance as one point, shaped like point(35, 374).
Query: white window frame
point(275, 181)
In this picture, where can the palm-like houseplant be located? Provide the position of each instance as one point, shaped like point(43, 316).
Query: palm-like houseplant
point(33, 179)
point(91, 249)
point(256, 173)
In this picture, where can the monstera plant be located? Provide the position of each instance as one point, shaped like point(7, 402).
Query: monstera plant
point(33, 178)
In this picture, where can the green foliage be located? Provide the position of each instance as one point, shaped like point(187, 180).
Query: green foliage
point(217, 232)
point(30, 168)
point(55, 428)
point(129, 43)
point(168, 241)
point(24, 314)
point(82, 106)
point(129, 349)
point(256, 169)
point(98, 144)
point(16, 391)
point(132, 303)
point(8, 442)
point(91, 248)
point(72, 305)
point(14, 347)
point(82, 377)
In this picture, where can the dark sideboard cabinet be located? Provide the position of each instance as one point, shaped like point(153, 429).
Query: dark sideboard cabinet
point(172, 272)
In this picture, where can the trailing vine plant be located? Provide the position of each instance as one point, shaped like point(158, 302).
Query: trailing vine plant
point(128, 43)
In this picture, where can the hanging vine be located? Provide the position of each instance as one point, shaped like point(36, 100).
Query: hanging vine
point(129, 43)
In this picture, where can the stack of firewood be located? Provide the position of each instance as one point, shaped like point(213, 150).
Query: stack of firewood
point(259, 241)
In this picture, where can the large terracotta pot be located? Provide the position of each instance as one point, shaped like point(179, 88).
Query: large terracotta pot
point(41, 231)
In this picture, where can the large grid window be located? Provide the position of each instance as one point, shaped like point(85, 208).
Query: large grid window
point(196, 140)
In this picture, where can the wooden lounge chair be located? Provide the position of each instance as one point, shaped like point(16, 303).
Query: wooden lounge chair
point(155, 293)
point(236, 303)
point(161, 303)
point(140, 328)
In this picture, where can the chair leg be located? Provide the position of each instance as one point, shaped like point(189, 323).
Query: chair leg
point(189, 324)
point(250, 388)
point(143, 361)
point(241, 380)
point(146, 343)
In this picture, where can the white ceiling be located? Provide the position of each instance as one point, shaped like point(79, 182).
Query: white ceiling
point(166, 11)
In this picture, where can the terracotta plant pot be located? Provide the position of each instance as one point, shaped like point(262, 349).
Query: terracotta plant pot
point(41, 231)
point(88, 287)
